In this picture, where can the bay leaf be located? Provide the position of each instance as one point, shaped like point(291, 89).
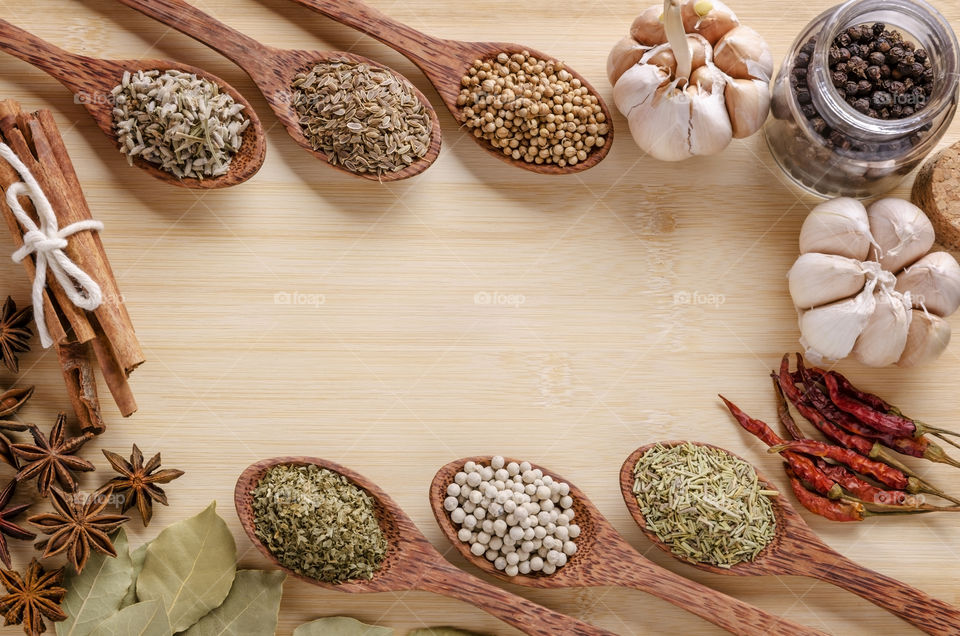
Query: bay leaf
point(340, 626)
point(136, 562)
point(189, 568)
point(250, 609)
point(96, 593)
point(142, 619)
point(441, 631)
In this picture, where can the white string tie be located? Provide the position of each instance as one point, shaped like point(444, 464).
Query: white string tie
point(47, 242)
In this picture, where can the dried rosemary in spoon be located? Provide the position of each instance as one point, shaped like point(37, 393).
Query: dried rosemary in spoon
point(706, 504)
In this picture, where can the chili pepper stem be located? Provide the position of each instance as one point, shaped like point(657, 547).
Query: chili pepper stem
point(917, 485)
point(947, 440)
point(935, 453)
point(881, 454)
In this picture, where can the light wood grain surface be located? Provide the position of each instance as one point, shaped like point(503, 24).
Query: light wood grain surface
point(474, 309)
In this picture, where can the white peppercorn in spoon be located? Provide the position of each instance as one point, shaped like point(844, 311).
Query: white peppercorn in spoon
point(91, 81)
point(273, 71)
point(412, 563)
point(604, 558)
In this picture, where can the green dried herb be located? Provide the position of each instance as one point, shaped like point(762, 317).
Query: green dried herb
point(706, 504)
point(96, 594)
point(251, 607)
point(318, 523)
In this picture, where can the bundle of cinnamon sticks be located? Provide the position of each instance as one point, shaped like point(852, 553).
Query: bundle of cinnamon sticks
point(105, 334)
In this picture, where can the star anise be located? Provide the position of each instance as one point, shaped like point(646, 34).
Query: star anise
point(7, 526)
point(14, 333)
point(32, 597)
point(77, 527)
point(137, 483)
point(52, 459)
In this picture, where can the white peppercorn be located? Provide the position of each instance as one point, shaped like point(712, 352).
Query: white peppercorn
point(514, 516)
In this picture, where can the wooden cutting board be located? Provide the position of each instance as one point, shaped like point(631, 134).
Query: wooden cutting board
point(475, 309)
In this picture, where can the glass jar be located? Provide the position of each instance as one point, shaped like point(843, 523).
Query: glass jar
point(839, 151)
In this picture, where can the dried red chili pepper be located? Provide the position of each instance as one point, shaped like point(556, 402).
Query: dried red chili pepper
point(803, 466)
point(828, 508)
point(861, 489)
point(783, 411)
point(912, 446)
point(887, 475)
point(883, 422)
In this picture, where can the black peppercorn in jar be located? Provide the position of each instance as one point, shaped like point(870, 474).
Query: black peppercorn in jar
point(866, 92)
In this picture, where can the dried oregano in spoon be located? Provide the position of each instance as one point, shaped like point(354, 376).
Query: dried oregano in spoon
point(704, 503)
point(183, 123)
point(316, 522)
point(363, 118)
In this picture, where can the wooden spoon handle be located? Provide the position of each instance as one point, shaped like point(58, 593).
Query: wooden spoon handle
point(731, 614)
point(530, 618)
point(241, 49)
point(425, 51)
point(912, 605)
point(67, 68)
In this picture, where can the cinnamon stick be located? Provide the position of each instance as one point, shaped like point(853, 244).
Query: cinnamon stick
point(75, 361)
point(113, 374)
point(87, 247)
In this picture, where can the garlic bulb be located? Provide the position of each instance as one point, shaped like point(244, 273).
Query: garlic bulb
point(933, 282)
point(902, 233)
point(839, 226)
point(902, 320)
point(885, 336)
point(928, 337)
point(817, 279)
point(694, 108)
point(830, 332)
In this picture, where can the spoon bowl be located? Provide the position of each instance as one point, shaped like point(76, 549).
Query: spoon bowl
point(411, 563)
point(91, 81)
point(445, 62)
point(598, 546)
point(796, 550)
point(273, 71)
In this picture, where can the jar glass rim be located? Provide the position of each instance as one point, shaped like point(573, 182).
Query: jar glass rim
point(853, 13)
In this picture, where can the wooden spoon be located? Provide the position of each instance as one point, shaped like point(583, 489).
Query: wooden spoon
point(412, 563)
point(445, 62)
point(604, 558)
point(273, 71)
point(91, 81)
point(797, 551)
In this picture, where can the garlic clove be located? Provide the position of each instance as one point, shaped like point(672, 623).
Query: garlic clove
point(710, 18)
point(884, 338)
point(671, 124)
point(748, 104)
point(663, 57)
point(933, 283)
point(830, 332)
point(902, 232)
point(647, 28)
point(928, 337)
point(839, 226)
point(637, 87)
point(743, 54)
point(624, 54)
point(817, 279)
